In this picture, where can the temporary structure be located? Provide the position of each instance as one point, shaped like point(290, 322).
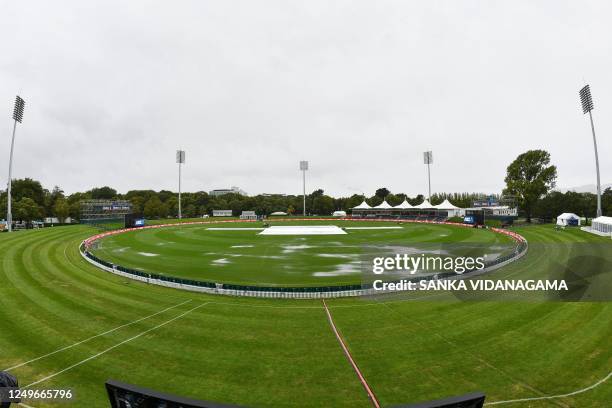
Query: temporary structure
point(404, 205)
point(425, 205)
point(446, 205)
point(568, 219)
point(384, 205)
point(453, 210)
point(362, 206)
point(602, 224)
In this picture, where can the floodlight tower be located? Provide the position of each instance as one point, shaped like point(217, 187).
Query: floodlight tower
point(587, 106)
point(17, 117)
point(304, 167)
point(180, 159)
point(428, 160)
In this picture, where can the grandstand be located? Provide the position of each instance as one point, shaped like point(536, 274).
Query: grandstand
point(405, 211)
point(490, 208)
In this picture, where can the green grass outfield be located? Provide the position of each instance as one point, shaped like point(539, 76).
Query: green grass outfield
point(283, 353)
point(245, 257)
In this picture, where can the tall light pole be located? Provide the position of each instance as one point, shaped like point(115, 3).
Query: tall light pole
point(587, 106)
point(17, 117)
point(304, 167)
point(428, 160)
point(180, 159)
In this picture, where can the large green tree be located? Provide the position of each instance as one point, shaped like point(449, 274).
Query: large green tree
point(529, 177)
point(61, 209)
point(382, 192)
point(51, 198)
point(103, 193)
point(27, 210)
point(29, 188)
point(323, 205)
point(154, 208)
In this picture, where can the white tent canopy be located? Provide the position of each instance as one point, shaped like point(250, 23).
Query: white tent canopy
point(362, 206)
point(424, 205)
point(446, 205)
point(602, 224)
point(384, 205)
point(568, 219)
point(403, 205)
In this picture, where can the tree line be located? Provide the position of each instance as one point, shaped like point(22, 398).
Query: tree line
point(31, 201)
point(530, 179)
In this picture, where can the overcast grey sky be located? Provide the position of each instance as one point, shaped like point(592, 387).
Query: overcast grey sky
point(249, 88)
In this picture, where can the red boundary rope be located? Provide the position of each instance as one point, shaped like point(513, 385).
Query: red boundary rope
point(365, 384)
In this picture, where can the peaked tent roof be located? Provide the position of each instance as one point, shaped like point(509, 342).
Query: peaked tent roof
point(567, 216)
point(424, 205)
point(362, 206)
point(403, 205)
point(603, 219)
point(446, 205)
point(384, 205)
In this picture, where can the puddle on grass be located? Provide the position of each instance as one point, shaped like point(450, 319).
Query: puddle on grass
point(350, 268)
point(287, 249)
point(147, 254)
point(341, 256)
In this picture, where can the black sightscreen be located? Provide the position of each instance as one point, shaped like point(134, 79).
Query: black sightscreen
point(123, 395)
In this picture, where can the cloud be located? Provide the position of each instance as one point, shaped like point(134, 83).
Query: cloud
point(248, 89)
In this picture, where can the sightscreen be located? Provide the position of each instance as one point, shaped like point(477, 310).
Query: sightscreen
point(122, 395)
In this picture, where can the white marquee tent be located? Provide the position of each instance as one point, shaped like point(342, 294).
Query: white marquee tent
point(446, 205)
point(568, 219)
point(404, 205)
point(452, 209)
point(425, 205)
point(362, 206)
point(408, 211)
point(602, 224)
point(384, 205)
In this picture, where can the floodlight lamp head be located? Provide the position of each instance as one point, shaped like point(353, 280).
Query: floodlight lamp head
point(303, 165)
point(18, 110)
point(428, 157)
point(586, 99)
point(180, 156)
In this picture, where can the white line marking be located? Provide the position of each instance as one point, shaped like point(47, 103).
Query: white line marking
point(113, 347)
point(590, 387)
point(93, 337)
